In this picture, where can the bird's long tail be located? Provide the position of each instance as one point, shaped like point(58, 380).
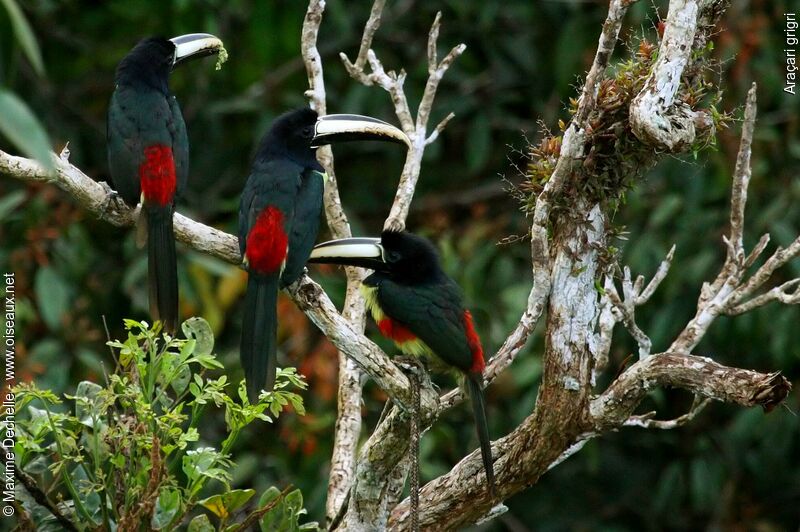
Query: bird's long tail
point(259, 334)
point(474, 381)
point(162, 267)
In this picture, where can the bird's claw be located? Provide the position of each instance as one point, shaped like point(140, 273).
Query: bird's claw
point(112, 197)
point(409, 364)
point(395, 225)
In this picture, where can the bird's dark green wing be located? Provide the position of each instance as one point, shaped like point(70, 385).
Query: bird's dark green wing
point(135, 121)
point(180, 145)
point(305, 225)
point(125, 150)
point(434, 313)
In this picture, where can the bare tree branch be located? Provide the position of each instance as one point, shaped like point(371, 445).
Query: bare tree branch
point(782, 293)
point(614, 310)
point(366, 509)
point(453, 500)
point(699, 375)
point(605, 48)
point(627, 309)
point(438, 509)
point(392, 83)
point(606, 321)
point(348, 419)
point(726, 293)
point(572, 150)
point(356, 70)
point(658, 277)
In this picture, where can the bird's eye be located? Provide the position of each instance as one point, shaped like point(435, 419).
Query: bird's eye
point(393, 256)
point(307, 132)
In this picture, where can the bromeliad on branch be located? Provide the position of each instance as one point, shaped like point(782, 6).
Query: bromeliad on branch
point(421, 309)
point(279, 217)
point(148, 152)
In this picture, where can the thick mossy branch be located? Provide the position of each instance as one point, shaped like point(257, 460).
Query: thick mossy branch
point(615, 159)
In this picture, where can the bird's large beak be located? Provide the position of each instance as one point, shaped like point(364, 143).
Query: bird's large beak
point(195, 45)
point(340, 128)
point(363, 252)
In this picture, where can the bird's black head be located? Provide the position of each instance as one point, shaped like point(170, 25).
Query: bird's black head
point(409, 257)
point(291, 136)
point(148, 64)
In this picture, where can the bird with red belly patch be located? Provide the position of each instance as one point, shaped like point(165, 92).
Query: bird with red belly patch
point(148, 152)
point(279, 218)
point(421, 309)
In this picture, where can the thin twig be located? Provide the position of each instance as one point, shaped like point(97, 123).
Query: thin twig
point(256, 515)
point(646, 421)
point(356, 70)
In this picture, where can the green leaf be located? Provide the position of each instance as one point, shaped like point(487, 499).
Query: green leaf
point(297, 404)
point(23, 129)
point(294, 501)
point(195, 390)
point(86, 402)
point(286, 514)
point(206, 462)
point(224, 504)
point(167, 507)
point(200, 524)
point(199, 330)
point(187, 348)
point(52, 295)
point(268, 496)
point(24, 35)
point(181, 379)
point(91, 500)
point(207, 361)
point(271, 519)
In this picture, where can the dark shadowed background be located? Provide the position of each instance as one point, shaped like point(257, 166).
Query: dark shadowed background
point(732, 469)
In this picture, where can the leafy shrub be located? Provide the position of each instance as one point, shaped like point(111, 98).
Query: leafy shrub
point(129, 455)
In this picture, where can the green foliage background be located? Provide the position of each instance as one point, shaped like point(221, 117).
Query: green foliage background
point(730, 469)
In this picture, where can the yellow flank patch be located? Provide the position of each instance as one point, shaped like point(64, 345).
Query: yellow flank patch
point(370, 294)
point(324, 176)
point(415, 347)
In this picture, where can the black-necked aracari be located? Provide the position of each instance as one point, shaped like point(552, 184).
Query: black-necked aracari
point(421, 309)
point(148, 152)
point(279, 217)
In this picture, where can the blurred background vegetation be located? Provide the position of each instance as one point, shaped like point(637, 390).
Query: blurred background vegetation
point(732, 469)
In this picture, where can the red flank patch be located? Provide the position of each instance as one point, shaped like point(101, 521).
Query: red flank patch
point(395, 331)
point(474, 342)
point(157, 175)
point(267, 242)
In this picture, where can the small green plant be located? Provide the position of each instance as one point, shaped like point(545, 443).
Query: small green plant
point(128, 455)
